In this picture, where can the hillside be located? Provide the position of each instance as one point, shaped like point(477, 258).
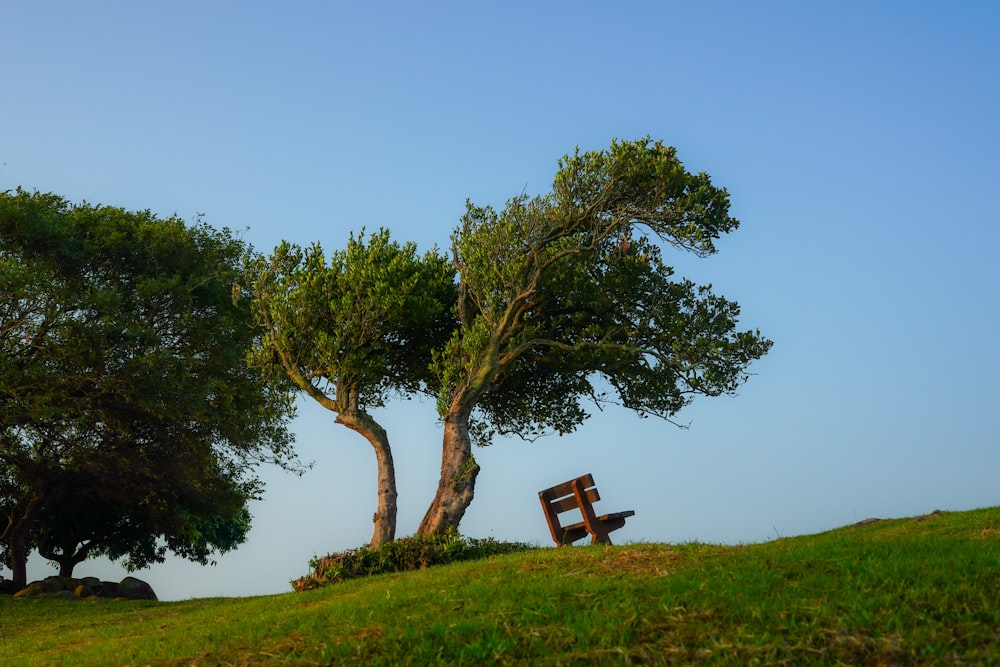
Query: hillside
point(920, 590)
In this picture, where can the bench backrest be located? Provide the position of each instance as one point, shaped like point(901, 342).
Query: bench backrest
point(561, 498)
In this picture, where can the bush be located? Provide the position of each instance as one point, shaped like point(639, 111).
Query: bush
point(408, 553)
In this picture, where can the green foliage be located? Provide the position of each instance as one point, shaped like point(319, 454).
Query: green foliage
point(409, 553)
point(355, 327)
point(124, 384)
point(565, 297)
point(919, 591)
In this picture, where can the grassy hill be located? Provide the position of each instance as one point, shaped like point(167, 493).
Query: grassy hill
point(922, 590)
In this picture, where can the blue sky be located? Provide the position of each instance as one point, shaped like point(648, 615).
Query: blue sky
point(858, 141)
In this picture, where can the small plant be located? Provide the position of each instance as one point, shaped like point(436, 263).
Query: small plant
point(409, 553)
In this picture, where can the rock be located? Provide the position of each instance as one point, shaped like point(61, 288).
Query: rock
point(109, 589)
point(83, 591)
point(135, 589)
point(52, 584)
point(64, 595)
point(31, 590)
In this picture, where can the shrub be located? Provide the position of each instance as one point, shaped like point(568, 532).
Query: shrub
point(408, 553)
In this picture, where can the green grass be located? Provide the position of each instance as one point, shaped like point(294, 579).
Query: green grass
point(904, 591)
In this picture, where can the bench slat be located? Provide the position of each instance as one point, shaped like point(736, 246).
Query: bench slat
point(569, 502)
point(566, 488)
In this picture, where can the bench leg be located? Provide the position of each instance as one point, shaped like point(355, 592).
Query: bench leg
point(600, 538)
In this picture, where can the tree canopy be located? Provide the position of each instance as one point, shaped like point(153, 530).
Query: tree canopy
point(124, 384)
point(564, 298)
point(352, 330)
point(193, 509)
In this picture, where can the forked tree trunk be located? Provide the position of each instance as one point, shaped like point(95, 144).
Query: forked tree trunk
point(68, 558)
point(385, 515)
point(457, 483)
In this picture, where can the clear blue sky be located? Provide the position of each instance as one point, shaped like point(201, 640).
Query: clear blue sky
point(858, 140)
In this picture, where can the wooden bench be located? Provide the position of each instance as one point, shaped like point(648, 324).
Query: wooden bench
point(579, 493)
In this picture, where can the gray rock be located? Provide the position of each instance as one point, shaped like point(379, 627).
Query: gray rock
point(109, 589)
point(52, 584)
point(135, 589)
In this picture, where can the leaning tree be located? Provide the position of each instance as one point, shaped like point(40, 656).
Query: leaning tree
point(352, 330)
point(124, 382)
point(565, 298)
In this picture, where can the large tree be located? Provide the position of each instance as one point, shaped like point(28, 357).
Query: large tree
point(564, 298)
point(352, 330)
point(123, 377)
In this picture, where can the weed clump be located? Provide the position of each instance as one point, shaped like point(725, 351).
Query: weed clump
point(409, 553)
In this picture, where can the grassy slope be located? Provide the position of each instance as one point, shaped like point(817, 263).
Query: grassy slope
point(906, 591)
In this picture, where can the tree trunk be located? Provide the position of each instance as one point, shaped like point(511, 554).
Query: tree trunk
point(457, 484)
point(18, 556)
point(17, 537)
point(385, 515)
